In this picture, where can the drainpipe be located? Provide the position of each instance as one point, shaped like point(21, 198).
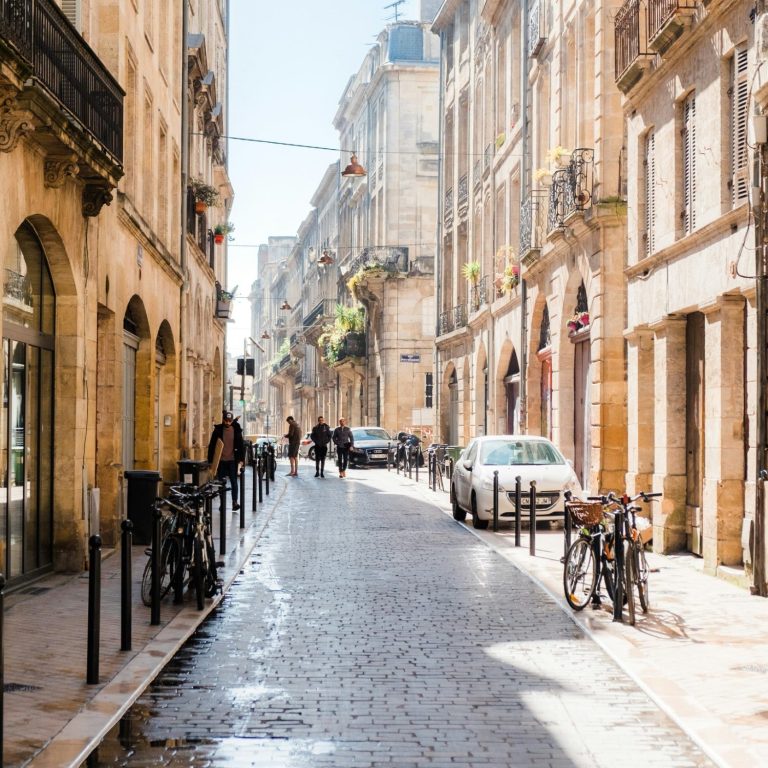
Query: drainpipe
point(524, 186)
point(436, 380)
point(183, 289)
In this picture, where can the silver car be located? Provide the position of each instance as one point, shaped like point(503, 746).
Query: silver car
point(526, 456)
point(372, 445)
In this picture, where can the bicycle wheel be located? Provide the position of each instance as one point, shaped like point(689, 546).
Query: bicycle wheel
point(211, 576)
point(579, 574)
point(642, 578)
point(630, 580)
point(198, 579)
point(167, 570)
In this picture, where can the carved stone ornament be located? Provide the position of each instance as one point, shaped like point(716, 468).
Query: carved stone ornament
point(14, 122)
point(57, 169)
point(95, 197)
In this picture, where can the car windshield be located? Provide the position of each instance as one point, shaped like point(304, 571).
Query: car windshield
point(370, 433)
point(513, 452)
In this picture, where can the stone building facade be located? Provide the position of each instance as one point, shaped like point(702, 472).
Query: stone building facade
point(95, 274)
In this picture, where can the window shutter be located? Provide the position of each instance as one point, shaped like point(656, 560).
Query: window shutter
point(739, 96)
point(689, 164)
point(650, 193)
point(71, 10)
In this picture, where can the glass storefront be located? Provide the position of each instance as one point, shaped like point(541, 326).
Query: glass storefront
point(26, 420)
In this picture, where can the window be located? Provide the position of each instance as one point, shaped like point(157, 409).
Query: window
point(649, 191)
point(689, 164)
point(739, 93)
point(428, 390)
point(71, 10)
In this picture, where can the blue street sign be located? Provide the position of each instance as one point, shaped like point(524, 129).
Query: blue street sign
point(410, 358)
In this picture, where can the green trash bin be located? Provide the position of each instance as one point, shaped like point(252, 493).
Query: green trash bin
point(142, 492)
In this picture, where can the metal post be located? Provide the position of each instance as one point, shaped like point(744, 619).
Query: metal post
point(94, 609)
point(2, 663)
point(260, 472)
point(242, 497)
point(566, 525)
point(253, 482)
point(618, 561)
point(154, 619)
point(267, 468)
point(126, 545)
point(418, 458)
point(272, 463)
point(495, 500)
point(450, 467)
point(223, 521)
point(434, 471)
point(518, 503)
point(532, 523)
point(408, 459)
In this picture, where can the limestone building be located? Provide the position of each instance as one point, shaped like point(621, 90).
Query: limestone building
point(94, 325)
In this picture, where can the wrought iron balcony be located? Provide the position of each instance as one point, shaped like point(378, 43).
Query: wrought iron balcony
point(477, 173)
point(352, 346)
point(462, 200)
point(446, 322)
point(459, 316)
point(487, 157)
point(478, 294)
point(631, 44)
point(666, 21)
point(448, 208)
point(536, 37)
point(388, 258)
point(533, 225)
point(324, 310)
point(571, 189)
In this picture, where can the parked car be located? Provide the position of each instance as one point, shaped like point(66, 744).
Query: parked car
point(307, 447)
point(527, 456)
point(372, 446)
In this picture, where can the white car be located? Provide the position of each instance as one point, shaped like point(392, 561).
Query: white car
point(528, 456)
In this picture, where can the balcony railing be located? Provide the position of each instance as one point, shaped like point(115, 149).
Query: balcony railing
point(571, 189)
point(631, 44)
point(462, 200)
point(459, 316)
point(536, 37)
point(16, 24)
point(388, 258)
point(324, 309)
point(352, 346)
point(487, 157)
point(448, 207)
point(478, 294)
point(666, 21)
point(446, 322)
point(477, 173)
point(67, 68)
point(533, 223)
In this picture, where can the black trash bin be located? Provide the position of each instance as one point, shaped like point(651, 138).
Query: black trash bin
point(142, 492)
point(193, 472)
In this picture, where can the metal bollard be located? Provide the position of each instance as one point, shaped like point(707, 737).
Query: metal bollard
point(253, 485)
point(410, 465)
point(518, 504)
point(223, 521)
point(433, 458)
point(155, 586)
point(267, 462)
point(450, 467)
point(397, 460)
point(2, 663)
point(271, 463)
point(566, 525)
point(418, 459)
point(126, 544)
point(260, 472)
point(618, 560)
point(495, 500)
point(94, 609)
point(532, 518)
point(242, 497)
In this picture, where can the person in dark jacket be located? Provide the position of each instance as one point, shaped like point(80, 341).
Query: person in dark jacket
point(294, 440)
point(321, 436)
point(343, 439)
point(231, 435)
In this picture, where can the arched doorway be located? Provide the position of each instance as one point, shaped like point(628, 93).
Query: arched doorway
point(544, 355)
point(578, 332)
point(138, 445)
point(453, 408)
point(27, 423)
point(512, 392)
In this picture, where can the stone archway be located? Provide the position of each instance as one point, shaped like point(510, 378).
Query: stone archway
point(482, 392)
point(165, 399)
point(449, 408)
point(508, 390)
point(466, 402)
point(138, 385)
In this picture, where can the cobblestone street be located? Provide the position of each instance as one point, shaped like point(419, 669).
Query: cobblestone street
point(369, 629)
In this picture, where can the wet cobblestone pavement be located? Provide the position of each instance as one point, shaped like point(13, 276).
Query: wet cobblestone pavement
point(368, 629)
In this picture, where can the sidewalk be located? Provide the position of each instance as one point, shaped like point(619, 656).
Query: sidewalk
point(701, 653)
point(52, 718)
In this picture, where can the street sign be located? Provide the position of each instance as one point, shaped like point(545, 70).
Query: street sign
point(410, 358)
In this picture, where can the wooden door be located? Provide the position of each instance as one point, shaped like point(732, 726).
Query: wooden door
point(581, 411)
point(694, 429)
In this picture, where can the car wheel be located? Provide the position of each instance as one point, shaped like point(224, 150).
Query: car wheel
point(458, 513)
point(311, 453)
point(481, 525)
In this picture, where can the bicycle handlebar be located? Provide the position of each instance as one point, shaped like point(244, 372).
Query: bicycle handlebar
point(624, 500)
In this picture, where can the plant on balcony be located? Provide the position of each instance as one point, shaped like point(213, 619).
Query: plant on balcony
point(559, 156)
point(220, 231)
point(205, 195)
point(362, 274)
point(543, 176)
point(510, 278)
point(223, 302)
point(579, 320)
point(471, 270)
point(500, 139)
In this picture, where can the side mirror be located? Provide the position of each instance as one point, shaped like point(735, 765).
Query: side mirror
point(467, 465)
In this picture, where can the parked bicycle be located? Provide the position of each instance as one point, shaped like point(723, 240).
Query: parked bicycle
point(187, 554)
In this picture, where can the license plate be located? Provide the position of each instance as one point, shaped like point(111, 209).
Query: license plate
point(379, 451)
point(541, 500)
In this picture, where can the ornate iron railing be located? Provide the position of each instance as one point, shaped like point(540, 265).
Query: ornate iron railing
point(487, 157)
point(661, 11)
point(462, 200)
point(324, 308)
point(572, 188)
point(448, 207)
point(16, 24)
point(446, 322)
point(459, 316)
point(535, 29)
point(65, 65)
point(478, 294)
point(532, 221)
point(477, 172)
point(627, 31)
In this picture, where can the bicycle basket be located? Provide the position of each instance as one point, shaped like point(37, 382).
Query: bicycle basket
point(585, 513)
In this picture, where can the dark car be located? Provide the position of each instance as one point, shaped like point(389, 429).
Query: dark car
point(372, 445)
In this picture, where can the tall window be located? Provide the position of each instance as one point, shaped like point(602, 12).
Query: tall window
point(689, 164)
point(649, 191)
point(739, 92)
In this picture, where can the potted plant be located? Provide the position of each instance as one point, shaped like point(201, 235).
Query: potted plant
point(511, 278)
point(543, 176)
point(471, 270)
point(205, 195)
point(220, 231)
point(559, 156)
point(223, 302)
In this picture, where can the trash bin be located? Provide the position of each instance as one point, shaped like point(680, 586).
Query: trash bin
point(142, 492)
point(193, 472)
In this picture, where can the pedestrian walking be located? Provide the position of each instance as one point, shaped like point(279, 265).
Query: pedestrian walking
point(232, 455)
point(321, 436)
point(343, 439)
point(294, 439)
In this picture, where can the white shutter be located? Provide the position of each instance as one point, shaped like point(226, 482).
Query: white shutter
point(71, 10)
point(689, 164)
point(650, 193)
point(739, 92)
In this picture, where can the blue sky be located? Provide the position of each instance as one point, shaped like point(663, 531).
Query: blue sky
point(289, 64)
